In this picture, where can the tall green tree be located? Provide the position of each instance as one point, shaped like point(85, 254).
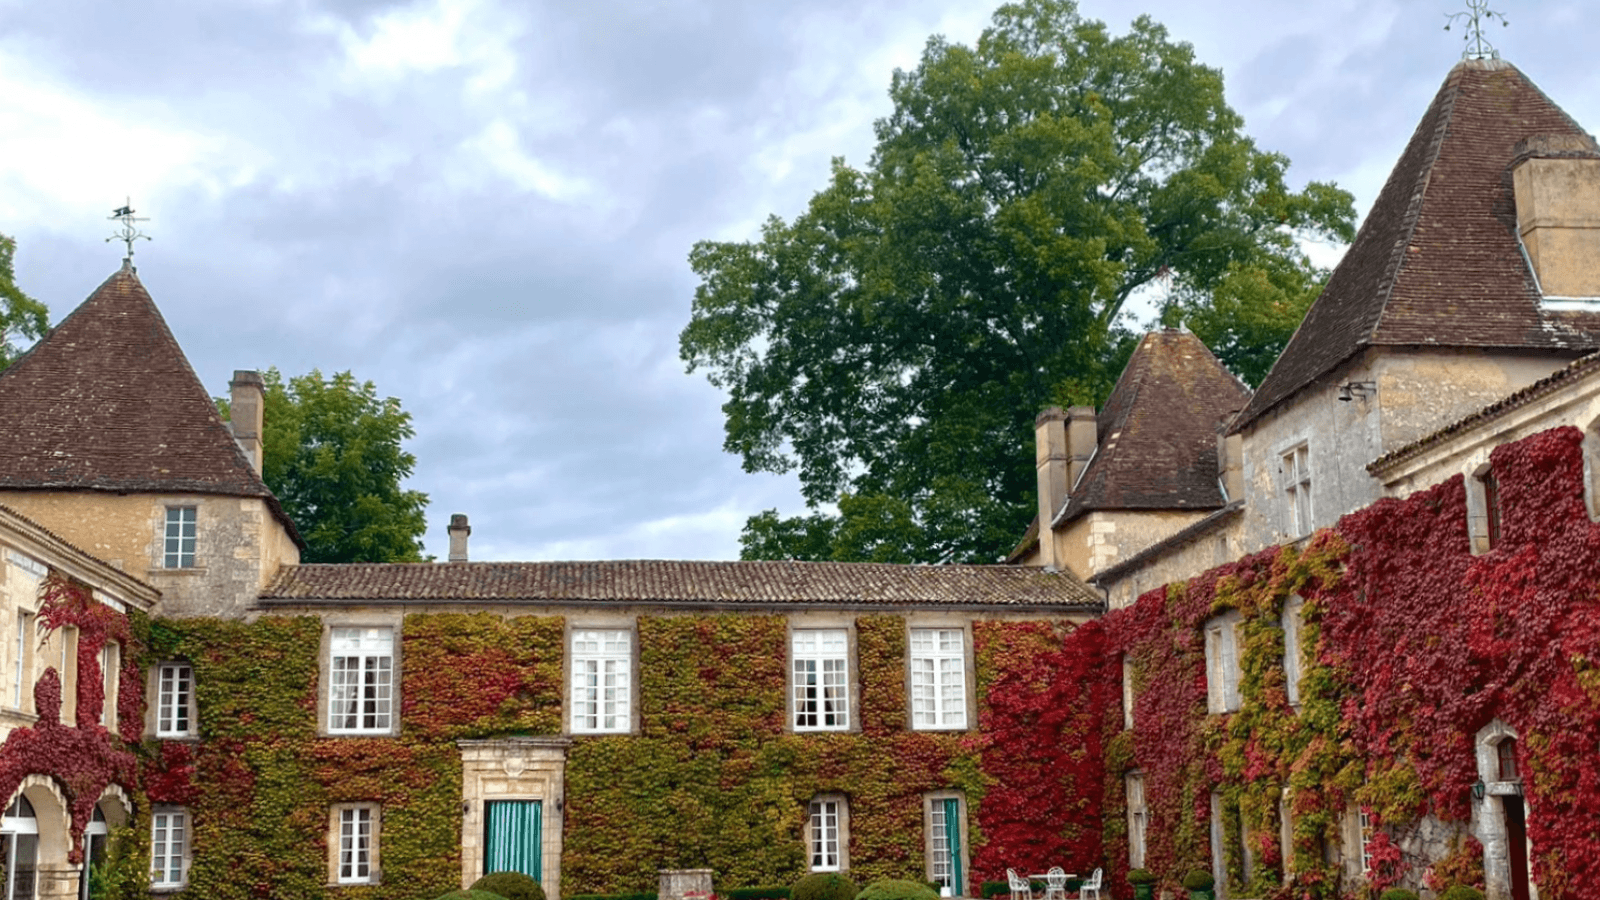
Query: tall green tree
point(23, 319)
point(894, 342)
point(331, 451)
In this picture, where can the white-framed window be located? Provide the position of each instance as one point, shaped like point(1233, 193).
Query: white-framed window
point(827, 823)
point(945, 815)
point(169, 848)
point(110, 668)
point(180, 537)
point(1138, 819)
point(355, 843)
point(19, 851)
point(174, 696)
point(1364, 835)
point(1293, 619)
point(1295, 466)
point(1127, 694)
point(938, 678)
point(22, 668)
point(1222, 663)
point(821, 679)
point(602, 667)
point(361, 680)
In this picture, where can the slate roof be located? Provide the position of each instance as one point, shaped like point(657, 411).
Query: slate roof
point(1158, 430)
point(1437, 261)
point(108, 402)
point(677, 582)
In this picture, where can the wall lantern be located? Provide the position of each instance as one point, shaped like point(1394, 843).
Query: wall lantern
point(1477, 789)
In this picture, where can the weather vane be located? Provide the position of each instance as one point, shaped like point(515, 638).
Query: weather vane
point(1478, 15)
point(129, 232)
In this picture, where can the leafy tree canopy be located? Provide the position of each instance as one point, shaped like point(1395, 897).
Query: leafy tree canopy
point(331, 452)
point(894, 342)
point(23, 319)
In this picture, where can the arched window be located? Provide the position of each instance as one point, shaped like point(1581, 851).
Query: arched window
point(1506, 760)
point(94, 849)
point(19, 850)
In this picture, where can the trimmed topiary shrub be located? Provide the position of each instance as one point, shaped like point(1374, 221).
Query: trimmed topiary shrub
point(993, 889)
point(1398, 894)
point(1199, 880)
point(897, 889)
point(471, 895)
point(1461, 892)
point(824, 886)
point(1142, 876)
point(510, 885)
point(640, 896)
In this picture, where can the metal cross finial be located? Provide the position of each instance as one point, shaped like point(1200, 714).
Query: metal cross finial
point(129, 232)
point(1478, 14)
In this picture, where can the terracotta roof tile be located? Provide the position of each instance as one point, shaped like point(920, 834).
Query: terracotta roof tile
point(681, 582)
point(1158, 430)
point(107, 401)
point(1437, 262)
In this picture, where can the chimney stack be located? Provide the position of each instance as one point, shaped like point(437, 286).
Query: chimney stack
point(1050, 455)
point(459, 529)
point(246, 407)
point(1083, 437)
point(1556, 182)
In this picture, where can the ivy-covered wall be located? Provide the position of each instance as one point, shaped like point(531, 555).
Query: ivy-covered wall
point(1411, 645)
point(713, 779)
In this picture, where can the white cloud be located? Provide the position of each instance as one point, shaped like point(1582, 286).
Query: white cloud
point(499, 146)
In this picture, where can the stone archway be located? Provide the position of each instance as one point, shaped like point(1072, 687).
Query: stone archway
point(54, 878)
point(1499, 816)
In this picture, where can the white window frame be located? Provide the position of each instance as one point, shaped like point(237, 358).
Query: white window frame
point(1364, 833)
point(827, 833)
point(110, 669)
point(1295, 466)
point(1138, 819)
point(16, 825)
point(938, 663)
point(175, 553)
point(937, 849)
point(602, 674)
point(169, 855)
point(22, 683)
point(819, 675)
point(1222, 663)
point(174, 700)
point(353, 845)
point(1293, 621)
point(361, 680)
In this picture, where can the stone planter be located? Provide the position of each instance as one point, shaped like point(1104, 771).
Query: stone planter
point(1144, 892)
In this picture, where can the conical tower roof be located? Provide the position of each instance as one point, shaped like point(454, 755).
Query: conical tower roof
point(1157, 444)
point(1437, 262)
point(108, 402)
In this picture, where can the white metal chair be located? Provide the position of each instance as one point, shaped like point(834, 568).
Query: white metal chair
point(1091, 887)
point(1021, 888)
point(1055, 884)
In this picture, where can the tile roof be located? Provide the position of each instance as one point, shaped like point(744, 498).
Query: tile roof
point(683, 582)
point(1158, 430)
point(108, 402)
point(1438, 261)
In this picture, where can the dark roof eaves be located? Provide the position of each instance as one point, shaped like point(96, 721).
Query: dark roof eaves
point(843, 604)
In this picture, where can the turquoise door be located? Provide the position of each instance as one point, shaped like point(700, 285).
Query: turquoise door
point(952, 827)
point(513, 838)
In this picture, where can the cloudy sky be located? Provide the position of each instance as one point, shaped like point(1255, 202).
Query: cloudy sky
point(485, 206)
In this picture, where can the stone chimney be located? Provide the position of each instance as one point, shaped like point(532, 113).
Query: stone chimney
point(459, 529)
point(1050, 455)
point(246, 407)
point(1083, 436)
point(1230, 462)
point(1556, 180)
